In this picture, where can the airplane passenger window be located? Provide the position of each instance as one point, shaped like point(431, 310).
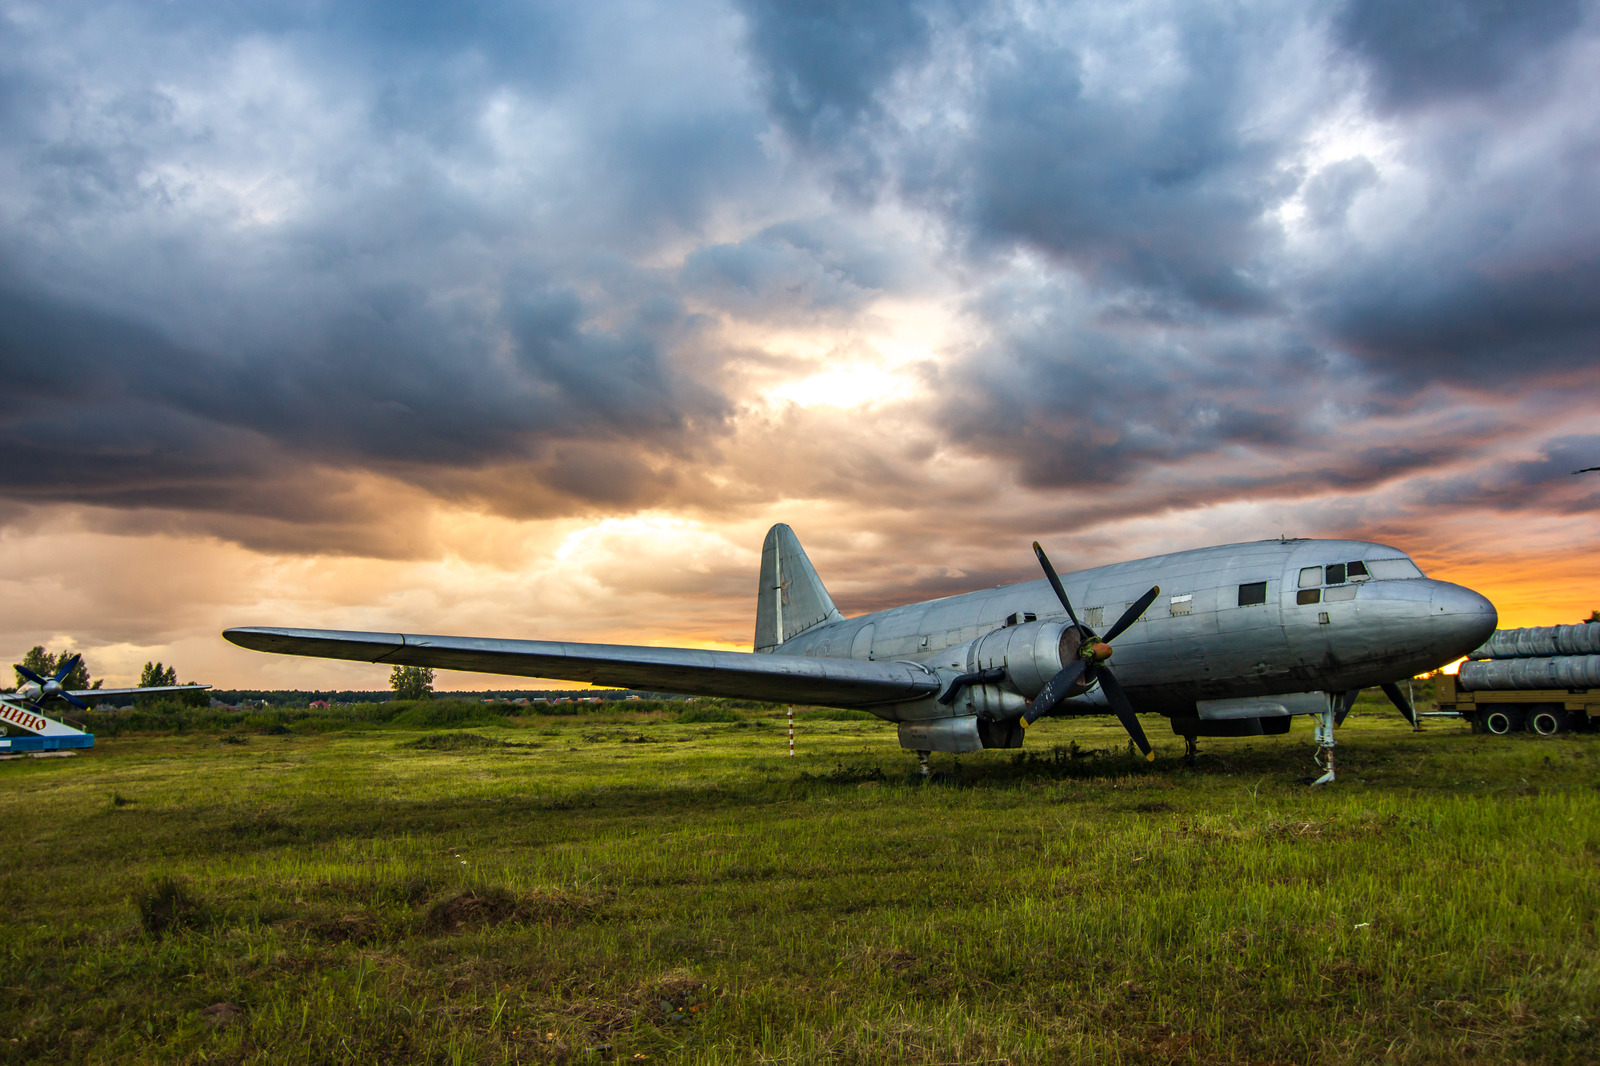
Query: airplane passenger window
point(1356, 571)
point(1340, 592)
point(1335, 573)
point(1393, 569)
point(1253, 593)
point(1308, 596)
point(1311, 577)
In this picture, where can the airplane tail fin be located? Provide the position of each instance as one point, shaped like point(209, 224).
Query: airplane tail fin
point(791, 598)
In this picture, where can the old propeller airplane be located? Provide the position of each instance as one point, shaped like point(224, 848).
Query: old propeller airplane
point(35, 691)
point(24, 708)
point(1223, 641)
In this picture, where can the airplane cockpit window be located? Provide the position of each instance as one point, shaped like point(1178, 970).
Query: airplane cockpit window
point(1341, 578)
point(1253, 593)
point(1393, 569)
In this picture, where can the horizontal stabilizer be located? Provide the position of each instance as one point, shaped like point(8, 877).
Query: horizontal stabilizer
point(691, 671)
point(101, 693)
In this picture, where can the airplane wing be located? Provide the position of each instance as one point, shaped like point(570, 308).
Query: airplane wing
point(101, 693)
point(740, 675)
point(96, 693)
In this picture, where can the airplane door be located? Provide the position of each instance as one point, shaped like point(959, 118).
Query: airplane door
point(1249, 616)
point(862, 648)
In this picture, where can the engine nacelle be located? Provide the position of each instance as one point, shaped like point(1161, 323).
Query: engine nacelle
point(1030, 654)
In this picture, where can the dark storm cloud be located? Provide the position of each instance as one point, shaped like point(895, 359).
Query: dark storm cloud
point(363, 385)
point(824, 65)
point(1151, 150)
point(1495, 324)
point(1425, 51)
point(1546, 484)
point(1159, 190)
point(484, 250)
point(429, 301)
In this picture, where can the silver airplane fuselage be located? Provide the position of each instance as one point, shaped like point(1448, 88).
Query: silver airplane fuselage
point(1232, 622)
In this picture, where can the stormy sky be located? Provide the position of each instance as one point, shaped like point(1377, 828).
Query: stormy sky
point(527, 319)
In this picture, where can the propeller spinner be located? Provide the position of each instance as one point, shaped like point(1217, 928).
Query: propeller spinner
point(1090, 666)
point(52, 687)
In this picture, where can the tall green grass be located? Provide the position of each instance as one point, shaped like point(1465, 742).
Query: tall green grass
point(598, 889)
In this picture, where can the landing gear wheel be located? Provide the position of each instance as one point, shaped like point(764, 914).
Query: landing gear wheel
point(1546, 722)
point(1500, 722)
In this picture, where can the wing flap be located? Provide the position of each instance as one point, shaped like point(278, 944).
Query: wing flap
point(691, 671)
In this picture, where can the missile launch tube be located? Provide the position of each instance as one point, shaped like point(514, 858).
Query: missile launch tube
point(1541, 642)
point(1568, 671)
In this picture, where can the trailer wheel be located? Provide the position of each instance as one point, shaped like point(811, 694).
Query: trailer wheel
point(1546, 721)
point(1501, 722)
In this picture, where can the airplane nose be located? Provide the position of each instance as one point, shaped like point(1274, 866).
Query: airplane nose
point(1462, 619)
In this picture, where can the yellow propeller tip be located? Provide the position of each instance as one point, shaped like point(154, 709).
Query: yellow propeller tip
point(1151, 757)
point(1158, 590)
point(1024, 722)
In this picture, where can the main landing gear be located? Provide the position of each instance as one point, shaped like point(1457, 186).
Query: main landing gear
point(923, 767)
point(1326, 720)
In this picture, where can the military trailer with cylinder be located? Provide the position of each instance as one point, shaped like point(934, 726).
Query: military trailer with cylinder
point(1543, 680)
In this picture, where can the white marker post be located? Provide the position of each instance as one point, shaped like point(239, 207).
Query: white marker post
point(791, 732)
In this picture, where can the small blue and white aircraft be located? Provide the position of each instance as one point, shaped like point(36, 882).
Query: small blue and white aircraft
point(1225, 641)
point(24, 708)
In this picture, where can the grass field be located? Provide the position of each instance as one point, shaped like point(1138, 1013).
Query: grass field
point(630, 887)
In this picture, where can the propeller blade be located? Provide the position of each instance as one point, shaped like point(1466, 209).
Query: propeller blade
point(67, 667)
point(1124, 710)
point(1131, 615)
point(1346, 701)
point(75, 701)
point(29, 674)
point(1055, 583)
point(1398, 698)
point(1053, 691)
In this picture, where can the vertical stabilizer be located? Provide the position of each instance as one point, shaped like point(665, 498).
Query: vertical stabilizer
point(791, 598)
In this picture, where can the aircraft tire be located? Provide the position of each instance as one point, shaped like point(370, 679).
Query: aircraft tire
point(1547, 721)
point(1500, 721)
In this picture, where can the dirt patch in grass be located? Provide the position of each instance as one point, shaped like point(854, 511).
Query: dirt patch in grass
point(168, 906)
point(477, 908)
point(470, 910)
point(344, 929)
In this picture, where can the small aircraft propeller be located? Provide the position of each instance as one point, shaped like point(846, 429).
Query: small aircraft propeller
point(1093, 652)
point(49, 687)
